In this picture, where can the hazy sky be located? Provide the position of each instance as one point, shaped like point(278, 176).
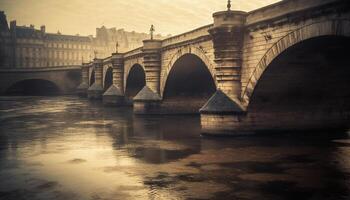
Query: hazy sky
point(83, 16)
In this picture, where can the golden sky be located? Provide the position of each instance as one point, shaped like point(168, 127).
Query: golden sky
point(83, 16)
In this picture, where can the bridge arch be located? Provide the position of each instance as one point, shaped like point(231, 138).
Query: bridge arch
point(135, 80)
point(108, 77)
point(338, 27)
point(91, 76)
point(304, 82)
point(34, 87)
point(188, 86)
point(198, 52)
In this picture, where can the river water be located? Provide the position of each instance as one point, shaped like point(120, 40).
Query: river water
point(70, 148)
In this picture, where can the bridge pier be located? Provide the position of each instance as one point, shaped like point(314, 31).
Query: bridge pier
point(223, 112)
point(114, 95)
point(148, 100)
point(84, 86)
point(96, 90)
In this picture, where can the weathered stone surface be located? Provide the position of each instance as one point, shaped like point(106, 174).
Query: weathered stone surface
point(227, 36)
point(95, 87)
point(221, 103)
point(82, 89)
point(83, 86)
point(152, 63)
point(146, 94)
point(113, 91)
point(113, 96)
point(220, 124)
point(147, 107)
point(147, 102)
point(114, 100)
point(237, 50)
point(95, 91)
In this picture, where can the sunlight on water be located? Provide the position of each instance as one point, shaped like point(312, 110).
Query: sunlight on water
point(69, 148)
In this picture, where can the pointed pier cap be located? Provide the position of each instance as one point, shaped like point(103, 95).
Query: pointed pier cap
point(220, 103)
point(146, 94)
point(95, 87)
point(113, 90)
point(83, 86)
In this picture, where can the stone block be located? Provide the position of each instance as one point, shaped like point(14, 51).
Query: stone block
point(113, 96)
point(95, 91)
point(82, 90)
point(147, 102)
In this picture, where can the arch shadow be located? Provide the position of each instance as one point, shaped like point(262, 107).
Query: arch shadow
point(181, 52)
point(92, 77)
point(338, 27)
point(135, 81)
point(188, 87)
point(34, 87)
point(108, 79)
point(305, 87)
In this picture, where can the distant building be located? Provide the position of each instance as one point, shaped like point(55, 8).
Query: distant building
point(27, 47)
point(5, 42)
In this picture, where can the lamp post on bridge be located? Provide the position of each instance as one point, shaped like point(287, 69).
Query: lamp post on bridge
point(95, 54)
point(116, 47)
point(151, 30)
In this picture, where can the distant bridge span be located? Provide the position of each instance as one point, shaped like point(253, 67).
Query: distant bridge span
point(65, 78)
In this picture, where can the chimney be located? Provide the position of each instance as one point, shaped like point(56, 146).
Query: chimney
point(42, 28)
point(13, 25)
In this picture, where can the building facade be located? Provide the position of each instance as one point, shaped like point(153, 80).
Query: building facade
point(28, 47)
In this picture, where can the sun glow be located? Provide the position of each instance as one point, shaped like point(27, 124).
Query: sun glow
point(81, 16)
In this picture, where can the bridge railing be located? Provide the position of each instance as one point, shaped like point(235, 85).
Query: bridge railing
point(107, 60)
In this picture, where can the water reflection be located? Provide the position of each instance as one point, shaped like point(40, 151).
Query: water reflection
point(69, 148)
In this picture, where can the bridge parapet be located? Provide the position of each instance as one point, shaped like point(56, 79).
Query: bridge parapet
point(107, 61)
point(133, 53)
point(39, 69)
point(282, 9)
point(196, 33)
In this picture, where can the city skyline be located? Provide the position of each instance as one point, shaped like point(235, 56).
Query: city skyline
point(89, 15)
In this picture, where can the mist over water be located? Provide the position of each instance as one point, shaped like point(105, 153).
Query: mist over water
point(70, 148)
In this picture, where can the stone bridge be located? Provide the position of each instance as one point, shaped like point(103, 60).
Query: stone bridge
point(283, 66)
point(40, 81)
